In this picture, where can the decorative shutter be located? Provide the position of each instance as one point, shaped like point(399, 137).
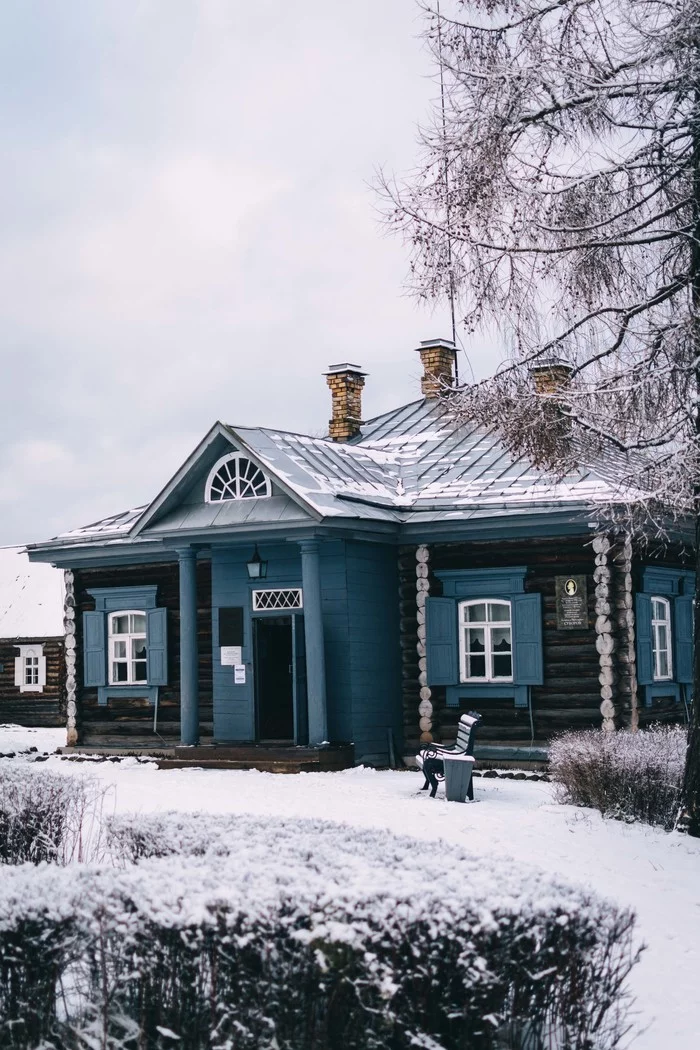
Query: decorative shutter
point(683, 638)
point(157, 646)
point(42, 671)
point(528, 666)
point(19, 671)
point(94, 649)
point(441, 651)
point(645, 654)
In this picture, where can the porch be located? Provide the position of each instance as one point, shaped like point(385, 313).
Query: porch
point(265, 758)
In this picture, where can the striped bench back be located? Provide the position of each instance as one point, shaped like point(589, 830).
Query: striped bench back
point(465, 733)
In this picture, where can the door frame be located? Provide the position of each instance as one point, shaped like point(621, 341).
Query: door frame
point(296, 616)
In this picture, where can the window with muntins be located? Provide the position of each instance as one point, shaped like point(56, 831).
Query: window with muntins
point(236, 477)
point(127, 647)
point(661, 639)
point(485, 641)
point(31, 668)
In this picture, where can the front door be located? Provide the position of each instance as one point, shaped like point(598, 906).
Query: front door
point(274, 678)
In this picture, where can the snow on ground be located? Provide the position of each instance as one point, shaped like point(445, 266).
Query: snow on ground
point(656, 873)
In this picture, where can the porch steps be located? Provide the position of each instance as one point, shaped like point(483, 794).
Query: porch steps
point(270, 759)
point(267, 759)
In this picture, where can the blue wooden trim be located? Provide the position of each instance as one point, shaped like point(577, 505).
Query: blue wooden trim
point(189, 662)
point(688, 581)
point(661, 689)
point(441, 642)
point(664, 582)
point(106, 692)
point(313, 634)
point(113, 599)
point(493, 752)
point(94, 649)
point(486, 691)
point(482, 583)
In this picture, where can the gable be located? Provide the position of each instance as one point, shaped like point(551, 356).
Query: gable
point(183, 505)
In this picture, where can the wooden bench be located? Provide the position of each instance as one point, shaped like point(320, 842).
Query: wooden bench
point(454, 763)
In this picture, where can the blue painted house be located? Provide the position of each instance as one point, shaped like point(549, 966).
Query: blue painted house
point(349, 596)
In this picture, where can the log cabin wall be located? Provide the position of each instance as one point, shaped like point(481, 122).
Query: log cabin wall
point(45, 708)
point(129, 722)
point(570, 697)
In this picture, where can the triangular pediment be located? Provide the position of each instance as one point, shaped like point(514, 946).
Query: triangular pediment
point(182, 504)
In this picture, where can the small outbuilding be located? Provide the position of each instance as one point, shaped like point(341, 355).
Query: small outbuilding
point(32, 654)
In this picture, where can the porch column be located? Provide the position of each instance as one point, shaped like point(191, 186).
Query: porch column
point(313, 636)
point(189, 685)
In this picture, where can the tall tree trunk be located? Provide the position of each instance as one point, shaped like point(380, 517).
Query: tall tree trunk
point(691, 779)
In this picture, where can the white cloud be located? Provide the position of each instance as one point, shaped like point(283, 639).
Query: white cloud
point(189, 234)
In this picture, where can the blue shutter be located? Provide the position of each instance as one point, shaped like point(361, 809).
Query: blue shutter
point(683, 638)
point(157, 646)
point(94, 650)
point(441, 651)
point(645, 654)
point(528, 663)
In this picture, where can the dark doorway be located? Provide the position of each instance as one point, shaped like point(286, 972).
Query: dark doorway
point(274, 691)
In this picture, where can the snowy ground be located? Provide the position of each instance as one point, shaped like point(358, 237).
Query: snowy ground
point(657, 874)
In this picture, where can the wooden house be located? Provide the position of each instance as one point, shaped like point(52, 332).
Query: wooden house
point(32, 664)
point(363, 589)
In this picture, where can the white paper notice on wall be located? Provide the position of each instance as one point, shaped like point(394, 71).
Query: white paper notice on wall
point(231, 655)
point(239, 674)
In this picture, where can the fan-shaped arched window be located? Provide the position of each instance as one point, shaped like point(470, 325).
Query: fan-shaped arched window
point(236, 477)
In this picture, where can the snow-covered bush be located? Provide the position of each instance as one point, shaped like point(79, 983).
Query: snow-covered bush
point(46, 816)
point(304, 935)
point(635, 776)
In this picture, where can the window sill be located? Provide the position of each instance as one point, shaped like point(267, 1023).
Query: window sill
point(109, 692)
point(486, 691)
point(661, 688)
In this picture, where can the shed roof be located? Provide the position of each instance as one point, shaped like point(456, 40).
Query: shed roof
point(31, 597)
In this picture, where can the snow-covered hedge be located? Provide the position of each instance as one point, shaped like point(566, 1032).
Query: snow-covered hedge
point(46, 816)
point(303, 935)
point(635, 776)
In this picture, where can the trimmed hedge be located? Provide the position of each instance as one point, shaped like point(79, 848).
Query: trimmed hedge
point(304, 935)
point(625, 775)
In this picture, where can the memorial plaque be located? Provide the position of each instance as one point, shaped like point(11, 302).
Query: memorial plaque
point(572, 603)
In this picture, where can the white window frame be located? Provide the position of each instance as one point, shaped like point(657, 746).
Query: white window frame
point(235, 458)
point(31, 660)
point(488, 626)
point(260, 604)
point(656, 650)
point(112, 639)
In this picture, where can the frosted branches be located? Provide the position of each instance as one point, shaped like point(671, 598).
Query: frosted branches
point(573, 157)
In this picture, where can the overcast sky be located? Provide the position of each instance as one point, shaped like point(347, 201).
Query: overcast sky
point(188, 233)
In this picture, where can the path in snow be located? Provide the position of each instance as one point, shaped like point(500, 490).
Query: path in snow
point(656, 873)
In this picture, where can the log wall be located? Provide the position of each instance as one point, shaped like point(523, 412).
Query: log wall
point(129, 721)
point(47, 708)
point(575, 683)
point(570, 696)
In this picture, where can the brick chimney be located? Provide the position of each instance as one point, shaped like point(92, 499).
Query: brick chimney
point(438, 359)
point(345, 382)
point(550, 375)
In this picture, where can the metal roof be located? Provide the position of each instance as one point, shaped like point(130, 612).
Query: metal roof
point(413, 464)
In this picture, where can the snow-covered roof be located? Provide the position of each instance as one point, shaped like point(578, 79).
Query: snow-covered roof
point(31, 597)
point(414, 464)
